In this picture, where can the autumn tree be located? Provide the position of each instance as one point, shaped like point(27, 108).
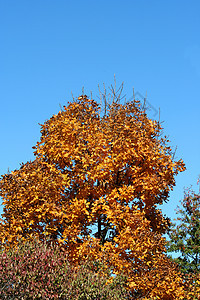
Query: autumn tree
point(94, 186)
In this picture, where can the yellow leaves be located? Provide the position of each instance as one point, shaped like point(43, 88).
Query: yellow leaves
point(31, 222)
point(94, 186)
point(19, 228)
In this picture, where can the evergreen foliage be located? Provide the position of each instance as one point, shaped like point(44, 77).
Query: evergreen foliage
point(184, 239)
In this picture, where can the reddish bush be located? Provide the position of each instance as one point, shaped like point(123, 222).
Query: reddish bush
point(41, 271)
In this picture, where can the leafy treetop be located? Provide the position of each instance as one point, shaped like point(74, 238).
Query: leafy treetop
point(94, 185)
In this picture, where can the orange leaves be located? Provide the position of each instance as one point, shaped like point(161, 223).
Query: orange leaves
point(94, 186)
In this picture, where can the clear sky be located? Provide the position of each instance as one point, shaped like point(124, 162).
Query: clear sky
point(51, 48)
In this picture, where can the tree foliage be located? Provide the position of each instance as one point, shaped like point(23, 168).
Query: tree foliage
point(38, 270)
point(184, 239)
point(94, 186)
point(185, 235)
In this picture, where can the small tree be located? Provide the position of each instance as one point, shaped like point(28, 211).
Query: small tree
point(185, 235)
point(185, 241)
point(94, 185)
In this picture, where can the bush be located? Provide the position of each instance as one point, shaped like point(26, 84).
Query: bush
point(42, 271)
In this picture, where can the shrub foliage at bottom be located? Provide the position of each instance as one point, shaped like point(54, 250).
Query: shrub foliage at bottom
point(42, 271)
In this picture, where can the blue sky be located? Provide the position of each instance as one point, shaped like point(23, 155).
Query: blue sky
point(50, 49)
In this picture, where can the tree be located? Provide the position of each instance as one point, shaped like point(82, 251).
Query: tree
point(94, 186)
point(185, 235)
point(184, 239)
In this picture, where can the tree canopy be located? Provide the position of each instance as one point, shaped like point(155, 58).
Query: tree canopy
point(94, 186)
